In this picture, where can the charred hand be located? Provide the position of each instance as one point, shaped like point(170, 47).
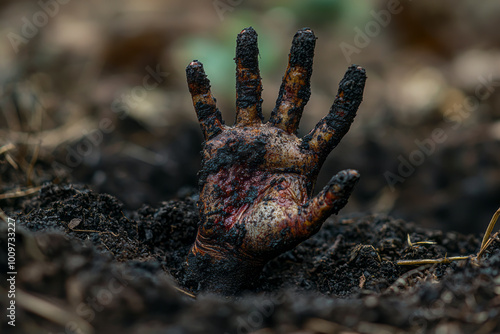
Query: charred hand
point(256, 179)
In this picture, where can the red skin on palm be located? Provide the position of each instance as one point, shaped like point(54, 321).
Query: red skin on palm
point(256, 178)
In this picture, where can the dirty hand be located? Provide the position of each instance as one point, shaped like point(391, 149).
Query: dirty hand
point(257, 178)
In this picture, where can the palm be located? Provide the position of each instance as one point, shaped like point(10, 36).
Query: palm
point(255, 182)
point(257, 178)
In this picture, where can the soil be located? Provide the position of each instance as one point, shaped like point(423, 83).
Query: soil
point(89, 262)
point(100, 267)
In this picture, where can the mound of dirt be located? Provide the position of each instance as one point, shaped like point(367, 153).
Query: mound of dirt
point(86, 264)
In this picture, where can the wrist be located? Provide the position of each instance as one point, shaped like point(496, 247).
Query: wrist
point(219, 267)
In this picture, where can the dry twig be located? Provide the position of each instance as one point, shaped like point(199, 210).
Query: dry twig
point(3, 216)
point(20, 193)
point(431, 261)
point(410, 243)
point(11, 161)
point(94, 231)
point(491, 225)
point(487, 240)
point(185, 292)
point(7, 148)
point(29, 172)
point(51, 312)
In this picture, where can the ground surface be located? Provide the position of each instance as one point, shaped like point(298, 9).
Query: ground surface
point(117, 271)
point(86, 261)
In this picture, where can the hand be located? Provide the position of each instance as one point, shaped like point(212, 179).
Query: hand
point(257, 178)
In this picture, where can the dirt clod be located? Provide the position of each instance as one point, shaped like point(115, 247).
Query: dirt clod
point(124, 276)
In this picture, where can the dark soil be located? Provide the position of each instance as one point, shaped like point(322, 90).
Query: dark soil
point(88, 262)
point(99, 265)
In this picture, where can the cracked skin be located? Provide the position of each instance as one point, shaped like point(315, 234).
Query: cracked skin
point(257, 178)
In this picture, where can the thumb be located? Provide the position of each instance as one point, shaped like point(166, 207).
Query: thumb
point(330, 200)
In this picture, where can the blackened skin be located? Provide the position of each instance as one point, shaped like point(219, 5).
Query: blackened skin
point(248, 81)
point(295, 89)
point(257, 179)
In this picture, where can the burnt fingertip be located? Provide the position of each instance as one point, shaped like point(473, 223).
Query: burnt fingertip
point(306, 33)
point(355, 73)
point(250, 31)
point(348, 175)
point(195, 63)
point(346, 179)
point(302, 50)
point(352, 175)
point(352, 85)
point(196, 77)
point(193, 67)
point(247, 51)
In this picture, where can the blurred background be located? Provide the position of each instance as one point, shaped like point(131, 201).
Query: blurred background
point(94, 92)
